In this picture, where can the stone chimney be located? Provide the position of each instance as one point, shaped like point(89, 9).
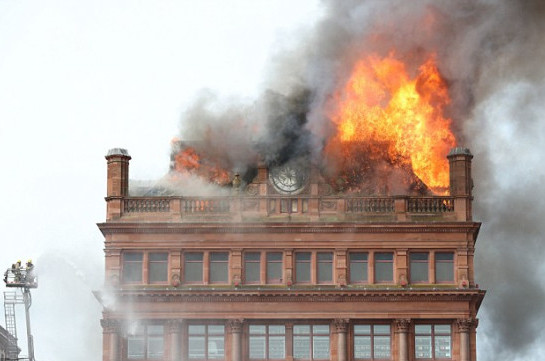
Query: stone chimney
point(461, 183)
point(118, 181)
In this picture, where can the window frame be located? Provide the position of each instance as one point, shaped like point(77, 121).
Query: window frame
point(432, 335)
point(267, 335)
point(376, 261)
point(145, 336)
point(452, 266)
point(416, 262)
point(324, 263)
point(186, 262)
point(312, 334)
point(124, 267)
point(206, 335)
point(213, 263)
point(155, 262)
point(364, 280)
point(271, 263)
point(372, 336)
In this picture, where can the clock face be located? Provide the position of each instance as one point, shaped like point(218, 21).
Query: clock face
point(288, 178)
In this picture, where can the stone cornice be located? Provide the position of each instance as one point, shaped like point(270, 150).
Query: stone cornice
point(300, 296)
point(311, 227)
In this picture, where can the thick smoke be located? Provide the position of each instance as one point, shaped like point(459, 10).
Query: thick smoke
point(491, 54)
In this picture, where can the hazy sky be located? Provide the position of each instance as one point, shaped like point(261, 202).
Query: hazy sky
point(80, 77)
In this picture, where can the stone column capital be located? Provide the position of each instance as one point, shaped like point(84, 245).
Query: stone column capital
point(341, 325)
point(466, 324)
point(111, 325)
point(235, 325)
point(402, 324)
point(174, 326)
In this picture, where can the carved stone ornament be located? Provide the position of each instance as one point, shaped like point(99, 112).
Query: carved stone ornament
point(402, 324)
point(235, 325)
point(466, 324)
point(341, 325)
point(175, 280)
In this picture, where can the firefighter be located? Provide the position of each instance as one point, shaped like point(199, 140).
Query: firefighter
point(29, 271)
point(17, 271)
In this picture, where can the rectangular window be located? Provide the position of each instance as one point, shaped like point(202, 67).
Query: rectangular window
point(358, 267)
point(302, 267)
point(444, 267)
point(219, 267)
point(132, 267)
point(206, 342)
point(267, 342)
point(158, 267)
point(252, 267)
point(274, 267)
point(432, 341)
point(147, 342)
point(288, 205)
point(419, 267)
point(384, 267)
point(324, 267)
point(193, 267)
point(311, 342)
point(372, 342)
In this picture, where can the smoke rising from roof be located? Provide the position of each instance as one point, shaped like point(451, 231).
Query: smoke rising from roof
point(491, 54)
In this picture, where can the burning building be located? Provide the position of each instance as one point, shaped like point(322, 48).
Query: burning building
point(294, 263)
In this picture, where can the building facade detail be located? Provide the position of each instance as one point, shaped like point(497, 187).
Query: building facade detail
point(284, 268)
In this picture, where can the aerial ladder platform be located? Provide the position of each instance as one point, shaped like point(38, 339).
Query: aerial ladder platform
point(22, 279)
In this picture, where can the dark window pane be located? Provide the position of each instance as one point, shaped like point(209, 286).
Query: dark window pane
point(325, 267)
point(384, 256)
point(358, 267)
point(132, 257)
point(444, 256)
point(132, 267)
point(219, 256)
point(384, 267)
point(158, 267)
point(419, 267)
point(444, 267)
point(325, 256)
point(252, 267)
point(193, 257)
point(158, 256)
point(193, 267)
point(274, 256)
point(219, 267)
point(274, 267)
point(302, 256)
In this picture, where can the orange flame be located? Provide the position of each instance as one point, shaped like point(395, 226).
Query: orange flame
point(382, 105)
point(187, 160)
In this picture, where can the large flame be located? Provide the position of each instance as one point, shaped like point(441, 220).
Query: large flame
point(187, 160)
point(382, 106)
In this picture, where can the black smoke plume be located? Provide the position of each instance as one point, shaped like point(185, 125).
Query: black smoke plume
point(492, 54)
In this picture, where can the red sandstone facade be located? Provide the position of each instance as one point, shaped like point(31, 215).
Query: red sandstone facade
point(305, 275)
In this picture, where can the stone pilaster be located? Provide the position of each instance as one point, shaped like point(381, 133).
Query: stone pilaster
point(402, 329)
point(112, 330)
point(174, 328)
point(340, 326)
point(234, 327)
point(465, 325)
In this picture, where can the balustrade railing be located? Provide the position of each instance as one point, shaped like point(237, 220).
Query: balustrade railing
point(206, 205)
point(147, 205)
point(227, 204)
point(370, 205)
point(430, 205)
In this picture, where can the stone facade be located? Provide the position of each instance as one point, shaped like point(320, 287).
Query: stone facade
point(299, 273)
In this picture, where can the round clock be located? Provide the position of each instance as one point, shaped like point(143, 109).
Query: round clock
point(288, 178)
